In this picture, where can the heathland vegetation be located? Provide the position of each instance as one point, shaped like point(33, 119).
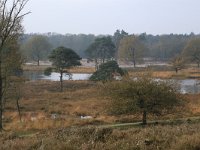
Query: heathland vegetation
point(127, 103)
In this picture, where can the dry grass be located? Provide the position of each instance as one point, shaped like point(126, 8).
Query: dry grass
point(182, 137)
point(182, 74)
point(193, 103)
point(35, 67)
point(81, 69)
point(41, 99)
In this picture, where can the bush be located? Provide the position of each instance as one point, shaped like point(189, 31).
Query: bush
point(142, 95)
point(47, 71)
point(107, 71)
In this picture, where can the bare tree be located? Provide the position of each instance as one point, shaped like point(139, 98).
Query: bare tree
point(131, 49)
point(11, 16)
point(178, 63)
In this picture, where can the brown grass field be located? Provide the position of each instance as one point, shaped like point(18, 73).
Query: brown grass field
point(182, 74)
point(41, 99)
point(52, 120)
point(81, 69)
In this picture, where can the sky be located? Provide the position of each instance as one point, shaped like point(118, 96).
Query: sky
point(106, 16)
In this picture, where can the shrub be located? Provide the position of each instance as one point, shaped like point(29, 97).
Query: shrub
point(47, 71)
point(107, 71)
point(142, 95)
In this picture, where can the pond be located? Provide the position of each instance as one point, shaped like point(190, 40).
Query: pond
point(74, 76)
point(186, 86)
point(189, 86)
point(38, 75)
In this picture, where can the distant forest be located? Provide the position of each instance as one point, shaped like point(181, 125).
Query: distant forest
point(159, 47)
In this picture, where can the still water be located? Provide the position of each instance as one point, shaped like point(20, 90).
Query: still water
point(189, 86)
point(185, 86)
point(38, 75)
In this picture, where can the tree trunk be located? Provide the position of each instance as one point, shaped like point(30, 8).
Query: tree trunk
point(38, 62)
point(134, 63)
point(144, 117)
point(176, 70)
point(1, 99)
point(96, 64)
point(61, 81)
point(133, 53)
point(103, 60)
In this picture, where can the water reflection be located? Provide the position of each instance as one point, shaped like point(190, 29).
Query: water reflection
point(33, 75)
point(74, 76)
point(38, 75)
point(189, 86)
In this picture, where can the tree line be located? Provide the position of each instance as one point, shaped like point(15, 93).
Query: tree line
point(128, 46)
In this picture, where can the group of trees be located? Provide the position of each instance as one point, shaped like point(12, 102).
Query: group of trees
point(191, 52)
point(100, 50)
point(164, 47)
point(32, 45)
point(36, 48)
point(131, 49)
point(128, 47)
point(179, 49)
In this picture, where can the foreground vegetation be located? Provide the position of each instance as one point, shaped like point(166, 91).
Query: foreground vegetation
point(41, 100)
point(174, 137)
point(55, 120)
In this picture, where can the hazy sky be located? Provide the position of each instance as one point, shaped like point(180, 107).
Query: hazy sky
point(105, 16)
